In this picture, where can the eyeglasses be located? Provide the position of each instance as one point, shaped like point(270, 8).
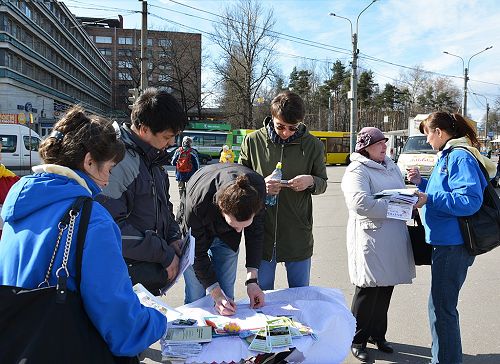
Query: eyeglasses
point(292, 128)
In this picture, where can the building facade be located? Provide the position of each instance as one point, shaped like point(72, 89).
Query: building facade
point(174, 61)
point(48, 63)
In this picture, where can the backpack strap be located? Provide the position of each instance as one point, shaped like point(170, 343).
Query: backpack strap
point(483, 169)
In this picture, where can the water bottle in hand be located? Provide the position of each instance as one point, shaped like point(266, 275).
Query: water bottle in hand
point(277, 175)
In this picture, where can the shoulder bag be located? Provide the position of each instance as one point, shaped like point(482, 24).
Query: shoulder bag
point(49, 324)
point(481, 231)
point(422, 252)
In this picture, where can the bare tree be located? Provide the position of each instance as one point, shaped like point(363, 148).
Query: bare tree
point(244, 35)
point(415, 81)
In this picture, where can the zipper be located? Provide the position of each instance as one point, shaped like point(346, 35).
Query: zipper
point(153, 190)
point(468, 233)
point(276, 216)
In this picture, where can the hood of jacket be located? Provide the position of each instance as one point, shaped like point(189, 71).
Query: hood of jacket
point(488, 164)
point(49, 183)
point(146, 150)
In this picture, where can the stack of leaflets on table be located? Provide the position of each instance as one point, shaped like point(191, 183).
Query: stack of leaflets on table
point(183, 342)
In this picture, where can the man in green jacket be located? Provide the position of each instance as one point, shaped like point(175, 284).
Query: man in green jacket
point(288, 225)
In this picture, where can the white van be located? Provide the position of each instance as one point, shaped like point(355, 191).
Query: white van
point(417, 153)
point(19, 148)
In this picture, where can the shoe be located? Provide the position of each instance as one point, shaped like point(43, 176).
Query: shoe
point(359, 353)
point(382, 345)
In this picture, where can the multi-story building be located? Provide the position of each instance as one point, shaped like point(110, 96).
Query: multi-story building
point(47, 63)
point(174, 61)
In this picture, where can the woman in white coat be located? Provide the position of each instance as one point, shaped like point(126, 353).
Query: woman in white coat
point(379, 248)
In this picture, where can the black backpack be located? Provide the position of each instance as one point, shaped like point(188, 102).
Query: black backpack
point(481, 231)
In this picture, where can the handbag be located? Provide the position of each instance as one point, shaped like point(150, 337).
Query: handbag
point(422, 252)
point(49, 324)
point(481, 230)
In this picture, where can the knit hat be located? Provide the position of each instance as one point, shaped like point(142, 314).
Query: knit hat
point(368, 136)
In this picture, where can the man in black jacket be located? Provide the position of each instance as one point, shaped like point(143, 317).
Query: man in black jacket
point(137, 195)
point(221, 201)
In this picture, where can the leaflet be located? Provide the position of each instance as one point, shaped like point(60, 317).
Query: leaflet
point(261, 342)
point(186, 259)
point(399, 211)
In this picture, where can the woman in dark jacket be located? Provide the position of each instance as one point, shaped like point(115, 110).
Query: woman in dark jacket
point(222, 200)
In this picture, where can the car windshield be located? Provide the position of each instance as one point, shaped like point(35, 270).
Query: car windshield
point(418, 144)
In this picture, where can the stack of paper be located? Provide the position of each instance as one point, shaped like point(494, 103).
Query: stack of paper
point(183, 342)
point(401, 202)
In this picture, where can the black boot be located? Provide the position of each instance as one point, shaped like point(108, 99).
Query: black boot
point(382, 345)
point(359, 352)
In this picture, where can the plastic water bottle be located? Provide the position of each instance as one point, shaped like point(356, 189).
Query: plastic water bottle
point(276, 175)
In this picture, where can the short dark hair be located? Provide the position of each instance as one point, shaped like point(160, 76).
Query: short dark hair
point(240, 199)
point(80, 134)
point(159, 111)
point(288, 107)
point(454, 124)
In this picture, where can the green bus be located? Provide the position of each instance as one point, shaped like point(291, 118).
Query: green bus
point(234, 140)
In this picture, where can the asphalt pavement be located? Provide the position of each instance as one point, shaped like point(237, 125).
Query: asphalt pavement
point(408, 327)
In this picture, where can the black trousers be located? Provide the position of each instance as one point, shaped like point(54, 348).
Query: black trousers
point(369, 307)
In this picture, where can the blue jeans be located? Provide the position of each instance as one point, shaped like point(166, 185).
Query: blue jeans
point(297, 273)
point(224, 262)
point(449, 270)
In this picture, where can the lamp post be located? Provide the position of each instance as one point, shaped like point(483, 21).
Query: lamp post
point(487, 113)
point(354, 78)
point(466, 75)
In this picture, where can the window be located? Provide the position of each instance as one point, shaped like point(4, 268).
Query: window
point(165, 43)
point(164, 78)
point(124, 76)
point(149, 42)
point(124, 64)
point(125, 40)
point(33, 146)
point(105, 51)
point(124, 52)
point(9, 143)
point(100, 39)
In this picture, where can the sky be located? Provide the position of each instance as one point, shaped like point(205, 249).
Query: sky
point(393, 35)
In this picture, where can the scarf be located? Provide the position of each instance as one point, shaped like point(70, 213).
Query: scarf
point(275, 138)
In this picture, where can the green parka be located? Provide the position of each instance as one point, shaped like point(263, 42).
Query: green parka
point(290, 232)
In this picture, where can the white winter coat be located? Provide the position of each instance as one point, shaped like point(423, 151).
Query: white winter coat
point(378, 248)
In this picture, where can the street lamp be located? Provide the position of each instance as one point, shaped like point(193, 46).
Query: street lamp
point(466, 75)
point(354, 78)
point(487, 113)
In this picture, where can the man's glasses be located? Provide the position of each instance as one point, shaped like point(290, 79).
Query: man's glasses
point(292, 128)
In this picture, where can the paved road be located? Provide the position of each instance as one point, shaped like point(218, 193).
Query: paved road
point(408, 323)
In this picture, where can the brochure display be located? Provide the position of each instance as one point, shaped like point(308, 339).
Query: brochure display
point(288, 319)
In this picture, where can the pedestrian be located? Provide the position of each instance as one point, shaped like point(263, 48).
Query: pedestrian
point(7, 180)
point(186, 162)
point(378, 248)
point(226, 155)
point(288, 224)
point(221, 201)
point(455, 188)
point(137, 195)
point(78, 157)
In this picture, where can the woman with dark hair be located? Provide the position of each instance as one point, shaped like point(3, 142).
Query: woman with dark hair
point(78, 155)
point(221, 201)
point(378, 248)
point(455, 188)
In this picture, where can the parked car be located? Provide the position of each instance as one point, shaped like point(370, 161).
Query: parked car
point(19, 148)
point(202, 158)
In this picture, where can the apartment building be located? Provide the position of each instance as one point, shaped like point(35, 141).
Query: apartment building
point(48, 63)
point(174, 60)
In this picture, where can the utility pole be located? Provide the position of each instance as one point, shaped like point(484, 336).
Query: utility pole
point(466, 75)
point(144, 44)
point(487, 114)
point(353, 94)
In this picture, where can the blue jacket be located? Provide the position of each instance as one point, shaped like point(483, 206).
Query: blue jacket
point(32, 210)
point(452, 191)
point(185, 176)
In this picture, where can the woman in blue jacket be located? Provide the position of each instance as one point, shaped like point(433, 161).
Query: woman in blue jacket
point(455, 188)
point(79, 155)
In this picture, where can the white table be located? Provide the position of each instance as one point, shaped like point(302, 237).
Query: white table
point(323, 309)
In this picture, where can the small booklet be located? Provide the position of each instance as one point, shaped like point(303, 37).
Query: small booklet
point(186, 259)
point(196, 334)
